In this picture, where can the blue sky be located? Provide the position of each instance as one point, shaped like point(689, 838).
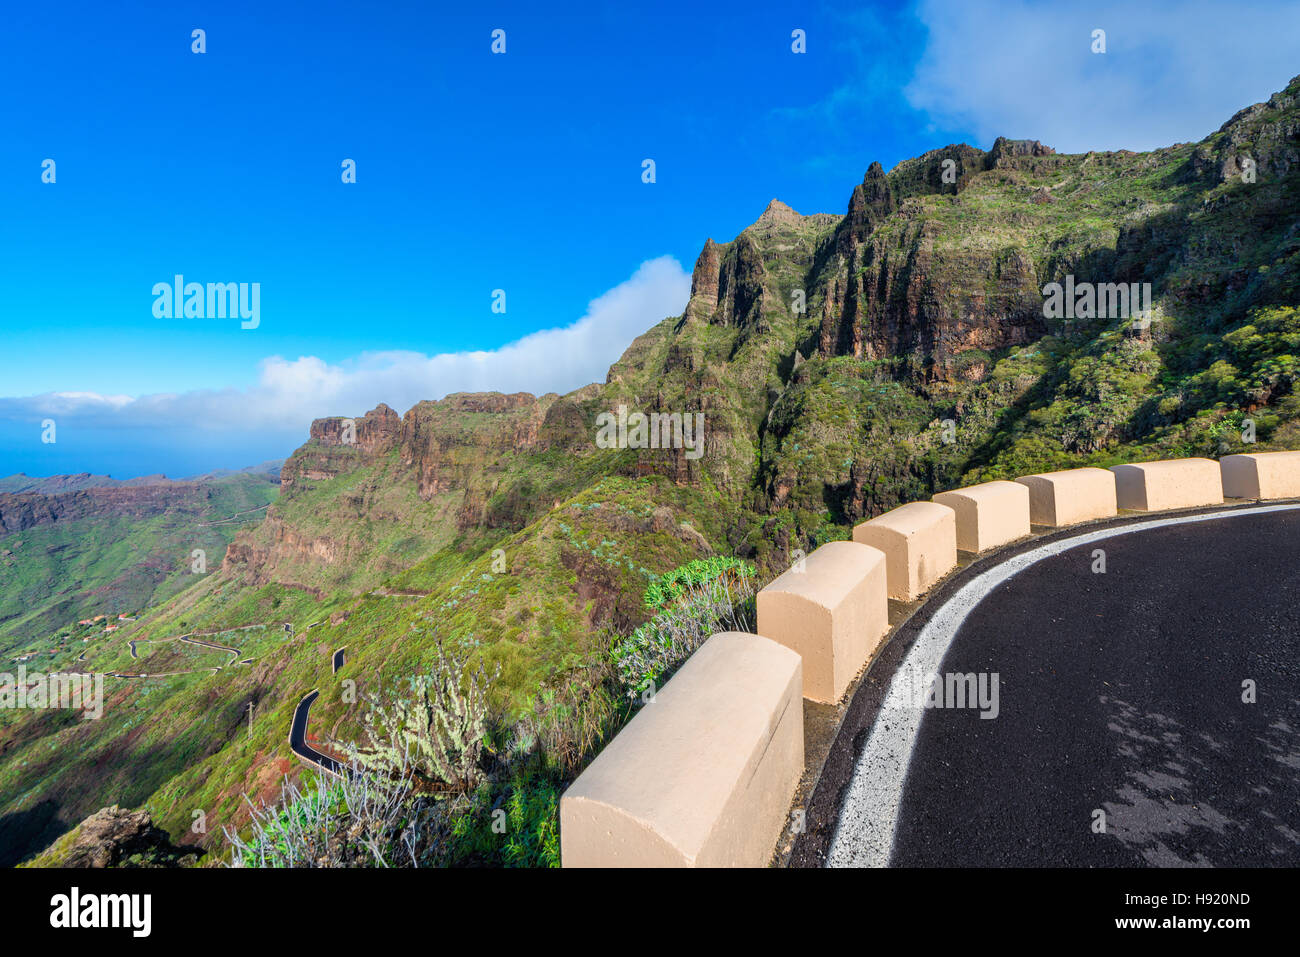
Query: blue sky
point(478, 172)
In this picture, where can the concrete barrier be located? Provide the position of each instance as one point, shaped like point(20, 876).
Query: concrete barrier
point(920, 545)
point(1065, 498)
point(703, 776)
point(1173, 483)
point(1261, 475)
point(988, 515)
point(833, 609)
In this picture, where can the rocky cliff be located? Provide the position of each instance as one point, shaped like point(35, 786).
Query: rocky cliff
point(844, 363)
point(19, 512)
point(116, 837)
point(827, 351)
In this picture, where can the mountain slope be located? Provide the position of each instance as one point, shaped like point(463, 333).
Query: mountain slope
point(843, 364)
point(112, 548)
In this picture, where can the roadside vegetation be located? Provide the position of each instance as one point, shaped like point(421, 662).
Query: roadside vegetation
point(438, 777)
point(487, 548)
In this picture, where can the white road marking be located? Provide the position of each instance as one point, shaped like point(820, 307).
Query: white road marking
point(864, 836)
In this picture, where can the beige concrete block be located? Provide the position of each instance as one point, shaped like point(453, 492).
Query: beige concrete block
point(703, 776)
point(833, 609)
point(988, 515)
point(1070, 496)
point(1261, 475)
point(920, 545)
point(1173, 483)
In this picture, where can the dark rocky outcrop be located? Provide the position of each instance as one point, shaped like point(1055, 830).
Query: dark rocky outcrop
point(115, 837)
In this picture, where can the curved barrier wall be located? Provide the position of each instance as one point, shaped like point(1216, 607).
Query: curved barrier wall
point(920, 545)
point(705, 773)
point(1261, 475)
point(832, 609)
point(1057, 499)
point(988, 515)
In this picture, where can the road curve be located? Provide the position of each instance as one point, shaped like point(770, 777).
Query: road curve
point(233, 652)
point(298, 736)
point(298, 730)
point(1120, 705)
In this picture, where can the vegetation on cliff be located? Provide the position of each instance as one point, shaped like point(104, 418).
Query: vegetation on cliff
point(843, 364)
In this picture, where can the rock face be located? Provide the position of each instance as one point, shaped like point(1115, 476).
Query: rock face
point(777, 214)
point(870, 202)
point(704, 282)
point(29, 509)
point(114, 837)
point(1005, 151)
point(931, 279)
point(337, 445)
point(730, 282)
point(899, 292)
point(374, 433)
point(1255, 135)
point(288, 548)
point(446, 442)
point(887, 292)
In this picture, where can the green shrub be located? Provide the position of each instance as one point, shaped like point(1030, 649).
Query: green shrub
point(357, 819)
point(710, 604)
point(439, 729)
point(670, 586)
point(517, 825)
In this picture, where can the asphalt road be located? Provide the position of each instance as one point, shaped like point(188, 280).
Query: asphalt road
point(234, 652)
point(1121, 737)
point(298, 734)
point(298, 731)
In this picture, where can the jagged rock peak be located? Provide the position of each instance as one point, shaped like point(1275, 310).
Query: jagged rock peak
point(1003, 147)
point(704, 282)
point(778, 213)
point(375, 432)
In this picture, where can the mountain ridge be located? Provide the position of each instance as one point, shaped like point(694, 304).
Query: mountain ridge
point(844, 364)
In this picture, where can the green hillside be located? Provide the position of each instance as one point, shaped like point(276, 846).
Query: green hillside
point(496, 528)
point(116, 550)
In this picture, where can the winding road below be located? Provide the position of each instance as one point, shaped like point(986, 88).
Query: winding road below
point(192, 638)
point(1147, 715)
point(298, 730)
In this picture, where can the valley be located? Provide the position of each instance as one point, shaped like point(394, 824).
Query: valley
point(836, 366)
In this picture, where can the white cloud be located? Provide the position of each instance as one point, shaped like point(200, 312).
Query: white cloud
point(1173, 71)
point(290, 393)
